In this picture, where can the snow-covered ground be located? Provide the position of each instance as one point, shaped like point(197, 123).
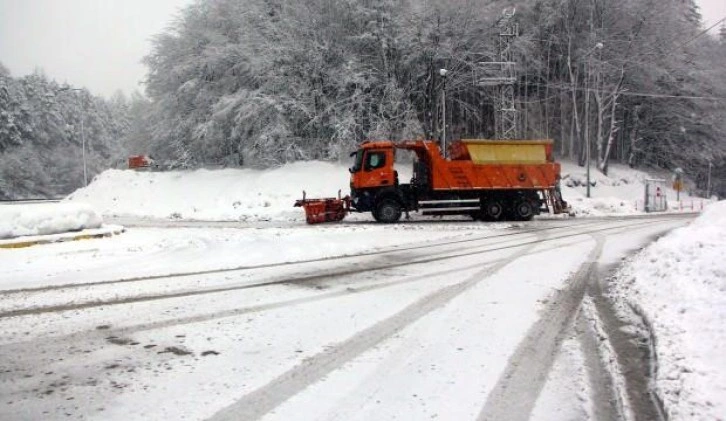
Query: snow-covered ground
point(406, 321)
point(268, 195)
point(621, 192)
point(214, 195)
point(678, 286)
point(347, 321)
point(46, 219)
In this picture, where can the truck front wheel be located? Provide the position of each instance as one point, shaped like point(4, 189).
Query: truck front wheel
point(523, 210)
point(388, 211)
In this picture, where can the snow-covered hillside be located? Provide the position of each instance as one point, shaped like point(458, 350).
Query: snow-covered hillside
point(620, 192)
point(268, 195)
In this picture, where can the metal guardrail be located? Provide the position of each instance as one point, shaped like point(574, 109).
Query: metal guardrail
point(29, 201)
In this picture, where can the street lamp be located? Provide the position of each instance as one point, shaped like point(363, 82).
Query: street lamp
point(83, 140)
point(597, 46)
point(708, 182)
point(443, 73)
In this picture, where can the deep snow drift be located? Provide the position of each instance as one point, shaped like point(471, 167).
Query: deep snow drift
point(268, 195)
point(678, 285)
point(213, 195)
point(45, 219)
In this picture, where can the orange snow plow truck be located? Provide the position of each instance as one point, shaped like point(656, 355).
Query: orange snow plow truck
point(488, 180)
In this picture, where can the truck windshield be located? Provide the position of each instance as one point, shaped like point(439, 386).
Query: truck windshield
point(358, 163)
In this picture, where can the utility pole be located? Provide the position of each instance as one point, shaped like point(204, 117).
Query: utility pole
point(443, 73)
point(83, 149)
point(708, 183)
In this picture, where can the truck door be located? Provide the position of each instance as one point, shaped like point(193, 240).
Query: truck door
point(377, 169)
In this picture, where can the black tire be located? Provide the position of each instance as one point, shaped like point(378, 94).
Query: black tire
point(492, 210)
point(523, 210)
point(388, 211)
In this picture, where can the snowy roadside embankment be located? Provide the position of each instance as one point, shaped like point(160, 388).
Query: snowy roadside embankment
point(621, 192)
point(215, 195)
point(678, 284)
point(45, 219)
point(269, 195)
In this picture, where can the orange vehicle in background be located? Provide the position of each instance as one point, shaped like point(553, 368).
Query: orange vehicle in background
point(139, 162)
point(487, 180)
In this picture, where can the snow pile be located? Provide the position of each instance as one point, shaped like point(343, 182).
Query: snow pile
point(678, 285)
point(224, 195)
point(621, 192)
point(269, 195)
point(44, 219)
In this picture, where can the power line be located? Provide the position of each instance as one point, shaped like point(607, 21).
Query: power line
point(629, 93)
point(699, 35)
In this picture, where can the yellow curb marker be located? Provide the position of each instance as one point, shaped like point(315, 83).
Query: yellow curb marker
point(24, 244)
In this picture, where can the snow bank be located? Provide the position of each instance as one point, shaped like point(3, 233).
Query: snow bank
point(225, 195)
point(44, 219)
point(268, 195)
point(678, 284)
point(620, 192)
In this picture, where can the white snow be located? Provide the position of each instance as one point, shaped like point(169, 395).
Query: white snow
point(268, 195)
point(45, 219)
point(442, 364)
point(678, 285)
point(621, 192)
point(214, 195)
point(569, 373)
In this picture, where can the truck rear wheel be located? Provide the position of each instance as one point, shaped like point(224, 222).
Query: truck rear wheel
point(388, 211)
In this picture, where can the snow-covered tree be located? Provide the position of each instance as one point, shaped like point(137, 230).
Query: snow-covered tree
point(261, 82)
point(42, 129)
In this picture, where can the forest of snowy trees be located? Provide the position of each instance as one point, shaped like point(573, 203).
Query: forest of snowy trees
point(42, 127)
point(263, 82)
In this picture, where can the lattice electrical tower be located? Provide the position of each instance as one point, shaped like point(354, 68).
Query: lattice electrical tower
point(502, 75)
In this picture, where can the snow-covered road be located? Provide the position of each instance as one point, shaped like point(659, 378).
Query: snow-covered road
point(452, 321)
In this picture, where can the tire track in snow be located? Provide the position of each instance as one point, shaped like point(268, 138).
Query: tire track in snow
point(8, 292)
point(129, 330)
point(602, 390)
point(301, 280)
point(518, 389)
point(516, 392)
point(262, 400)
point(317, 276)
point(577, 224)
point(634, 357)
point(317, 297)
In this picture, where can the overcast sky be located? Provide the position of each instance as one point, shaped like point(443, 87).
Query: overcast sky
point(99, 44)
point(712, 11)
point(96, 44)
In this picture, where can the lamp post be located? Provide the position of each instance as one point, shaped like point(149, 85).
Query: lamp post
point(83, 140)
point(708, 182)
point(597, 46)
point(443, 73)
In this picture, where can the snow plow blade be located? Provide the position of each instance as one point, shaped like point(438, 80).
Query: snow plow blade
point(329, 209)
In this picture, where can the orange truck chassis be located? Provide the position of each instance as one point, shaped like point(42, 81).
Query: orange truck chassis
point(487, 180)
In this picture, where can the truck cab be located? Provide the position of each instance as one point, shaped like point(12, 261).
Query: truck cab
point(373, 166)
point(374, 183)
